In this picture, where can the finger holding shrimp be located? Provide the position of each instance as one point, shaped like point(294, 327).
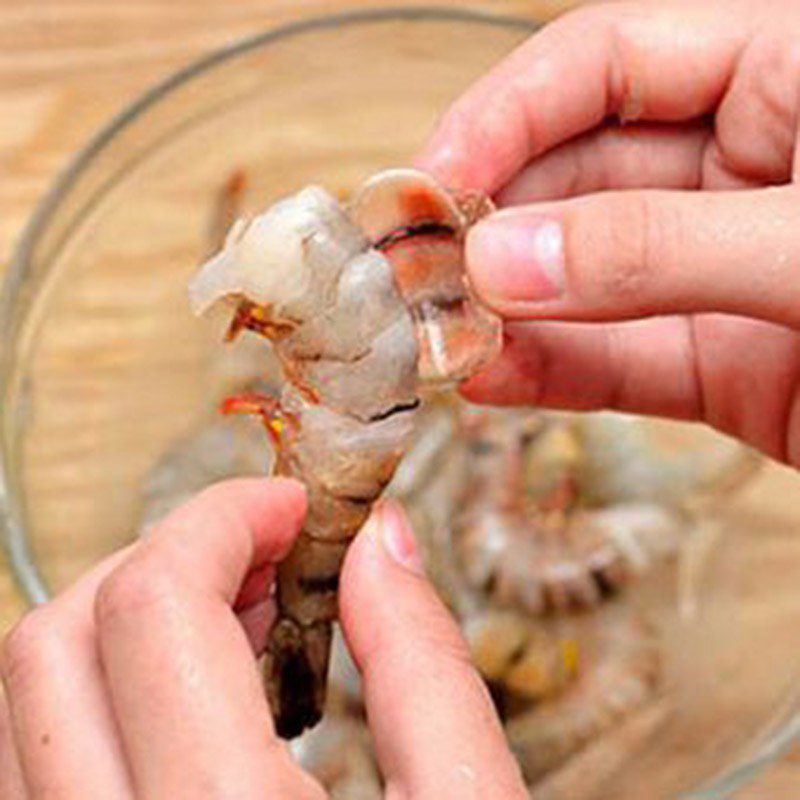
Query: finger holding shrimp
point(436, 731)
point(671, 234)
point(166, 612)
point(147, 653)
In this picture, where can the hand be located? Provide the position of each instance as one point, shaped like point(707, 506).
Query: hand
point(140, 681)
point(676, 235)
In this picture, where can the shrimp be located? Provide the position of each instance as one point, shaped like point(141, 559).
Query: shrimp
point(626, 461)
point(543, 551)
point(363, 306)
point(530, 664)
point(521, 659)
point(619, 673)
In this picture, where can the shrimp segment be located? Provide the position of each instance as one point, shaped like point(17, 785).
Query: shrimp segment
point(421, 229)
point(313, 280)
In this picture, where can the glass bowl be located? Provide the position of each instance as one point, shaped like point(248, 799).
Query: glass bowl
point(103, 367)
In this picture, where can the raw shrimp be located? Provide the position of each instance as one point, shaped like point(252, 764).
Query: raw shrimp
point(684, 468)
point(361, 305)
point(619, 673)
point(548, 554)
point(530, 664)
point(522, 659)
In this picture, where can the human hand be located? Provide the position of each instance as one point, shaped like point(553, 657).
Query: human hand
point(651, 266)
point(140, 680)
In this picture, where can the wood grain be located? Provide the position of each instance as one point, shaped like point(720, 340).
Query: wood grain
point(66, 66)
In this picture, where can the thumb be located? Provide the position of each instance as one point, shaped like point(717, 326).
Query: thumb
point(625, 255)
point(435, 728)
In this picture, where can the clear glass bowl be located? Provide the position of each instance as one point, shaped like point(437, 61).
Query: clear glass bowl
point(103, 367)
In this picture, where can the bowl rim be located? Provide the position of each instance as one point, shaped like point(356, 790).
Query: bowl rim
point(14, 540)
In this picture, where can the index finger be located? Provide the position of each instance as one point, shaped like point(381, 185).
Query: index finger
point(632, 61)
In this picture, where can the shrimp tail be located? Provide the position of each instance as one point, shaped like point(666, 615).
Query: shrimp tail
point(296, 674)
point(299, 643)
point(298, 647)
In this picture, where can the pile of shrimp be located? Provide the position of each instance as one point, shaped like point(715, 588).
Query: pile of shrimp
point(533, 526)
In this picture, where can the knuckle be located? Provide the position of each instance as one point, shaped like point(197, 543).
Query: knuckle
point(619, 25)
point(29, 647)
point(138, 587)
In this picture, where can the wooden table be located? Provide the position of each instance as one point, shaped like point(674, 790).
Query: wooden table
point(67, 65)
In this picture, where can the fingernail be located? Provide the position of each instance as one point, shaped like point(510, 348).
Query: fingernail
point(396, 536)
point(517, 256)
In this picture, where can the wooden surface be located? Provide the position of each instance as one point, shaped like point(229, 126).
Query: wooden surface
point(67, 65)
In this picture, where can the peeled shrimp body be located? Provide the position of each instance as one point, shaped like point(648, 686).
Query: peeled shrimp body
point(362, 305)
